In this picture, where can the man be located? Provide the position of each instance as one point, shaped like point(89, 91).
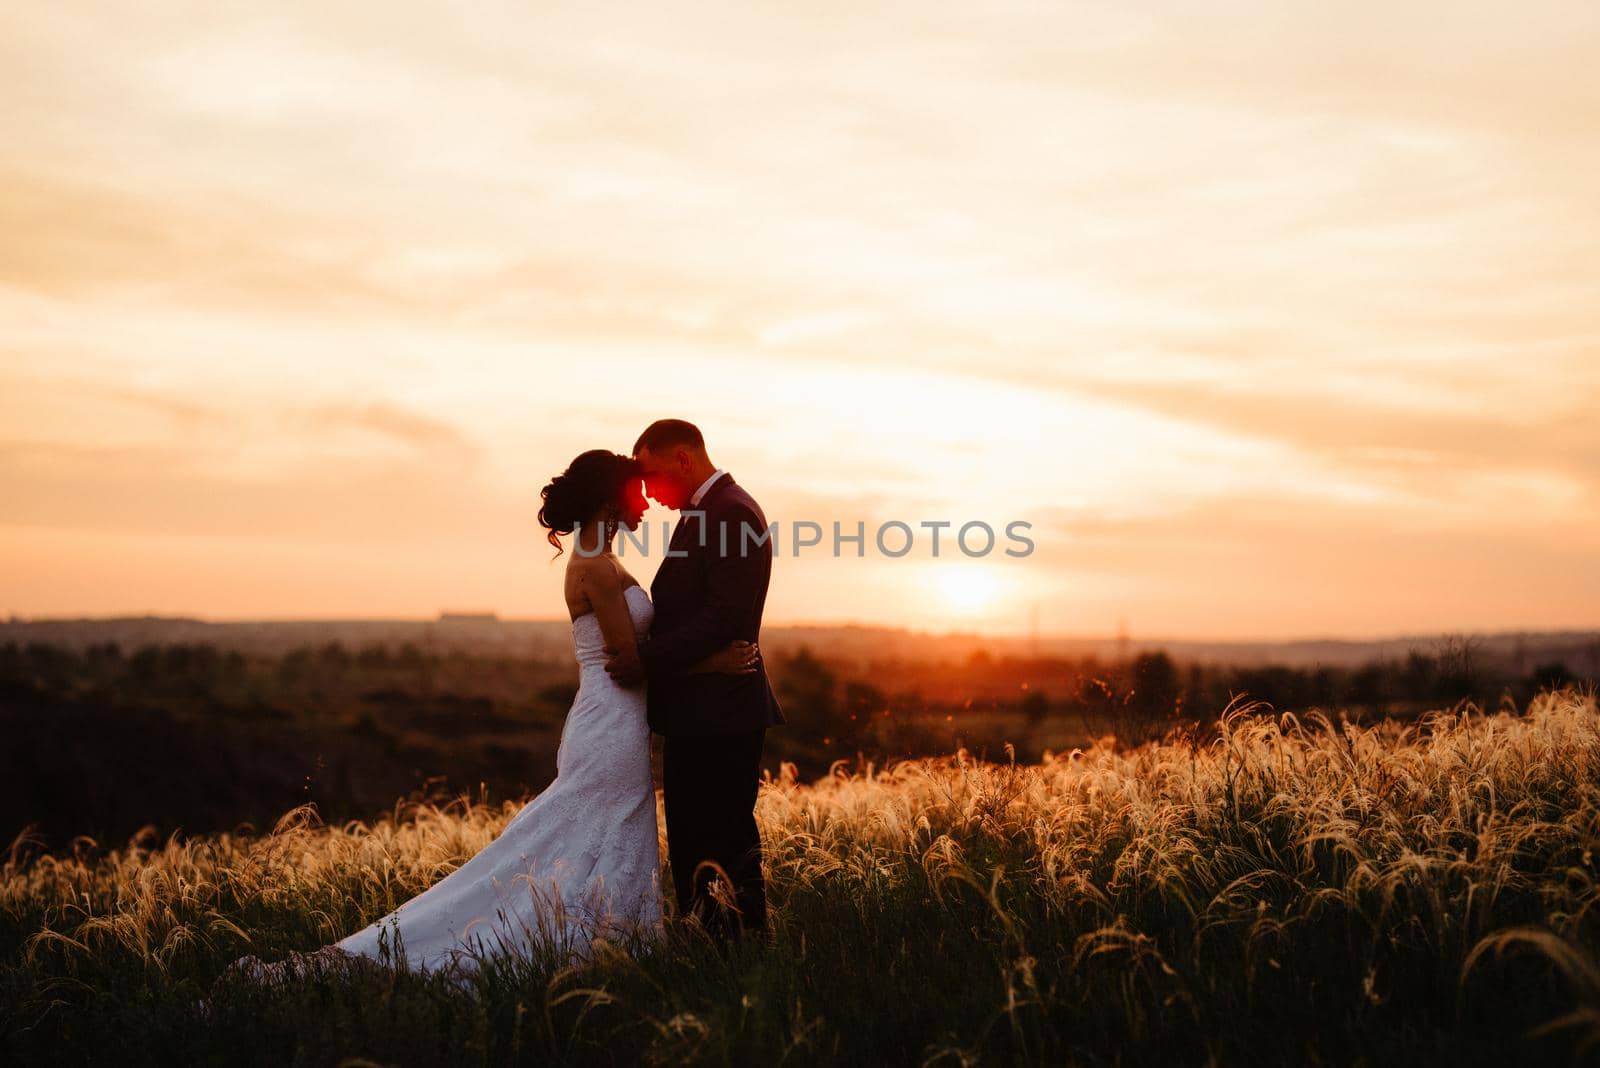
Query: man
point(710, 589)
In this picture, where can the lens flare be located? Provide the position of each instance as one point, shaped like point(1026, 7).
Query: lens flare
point(967, 588)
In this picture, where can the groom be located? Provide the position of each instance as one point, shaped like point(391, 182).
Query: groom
point(709, 590)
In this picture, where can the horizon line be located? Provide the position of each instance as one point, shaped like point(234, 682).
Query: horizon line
point(16, 619)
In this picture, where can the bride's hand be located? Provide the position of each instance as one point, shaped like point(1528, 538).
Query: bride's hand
point(735, 658)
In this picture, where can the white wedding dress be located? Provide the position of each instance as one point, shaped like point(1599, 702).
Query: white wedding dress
point(579, 860)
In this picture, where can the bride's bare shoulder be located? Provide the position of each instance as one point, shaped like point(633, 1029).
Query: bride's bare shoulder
point(587, 578)
point(605, 570)
point(596, 575)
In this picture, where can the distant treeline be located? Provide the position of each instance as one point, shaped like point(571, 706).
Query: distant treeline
point(103, 741)
point(1035, 705)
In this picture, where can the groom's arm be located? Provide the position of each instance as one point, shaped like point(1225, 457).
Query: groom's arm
point(734, 581)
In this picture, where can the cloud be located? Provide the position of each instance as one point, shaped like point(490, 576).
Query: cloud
point(419, 432)
point(1248, 566)
point(1424, 450)
point(1147, 265)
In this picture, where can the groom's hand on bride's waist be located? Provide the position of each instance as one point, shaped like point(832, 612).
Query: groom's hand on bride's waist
point(623, 665)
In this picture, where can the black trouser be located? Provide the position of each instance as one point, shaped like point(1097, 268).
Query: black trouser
point(710, 784)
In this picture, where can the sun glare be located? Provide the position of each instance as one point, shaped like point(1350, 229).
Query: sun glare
point(966, 588)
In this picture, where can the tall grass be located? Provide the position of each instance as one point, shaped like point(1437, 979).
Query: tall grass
point(1291, 890)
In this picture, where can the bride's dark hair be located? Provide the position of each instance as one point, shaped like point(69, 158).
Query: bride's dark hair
point(590, 482)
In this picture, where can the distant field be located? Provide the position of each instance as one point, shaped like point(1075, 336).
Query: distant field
point(108, 740)
point(860, 646)
point(1287, 890)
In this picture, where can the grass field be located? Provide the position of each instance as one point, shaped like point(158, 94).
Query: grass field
point(1290, 890)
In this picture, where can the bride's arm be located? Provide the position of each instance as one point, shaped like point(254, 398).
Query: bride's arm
point(602, 587)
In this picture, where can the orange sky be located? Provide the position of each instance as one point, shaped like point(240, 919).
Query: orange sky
point(1278, 323)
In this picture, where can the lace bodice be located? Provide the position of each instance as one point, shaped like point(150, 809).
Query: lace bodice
point(588, 643)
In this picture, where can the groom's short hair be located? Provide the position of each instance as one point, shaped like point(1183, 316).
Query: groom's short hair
point(663, 434)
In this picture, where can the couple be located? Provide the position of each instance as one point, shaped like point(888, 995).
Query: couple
point(582, 858)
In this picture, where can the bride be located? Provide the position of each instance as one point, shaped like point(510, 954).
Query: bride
point(582, 858)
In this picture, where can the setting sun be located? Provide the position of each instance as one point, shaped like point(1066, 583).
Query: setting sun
point(966, 589)
point(1230, 317)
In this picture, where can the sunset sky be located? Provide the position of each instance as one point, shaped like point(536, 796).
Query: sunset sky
point(1275, 320)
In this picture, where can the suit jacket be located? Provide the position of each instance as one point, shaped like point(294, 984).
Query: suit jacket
point(709, 596)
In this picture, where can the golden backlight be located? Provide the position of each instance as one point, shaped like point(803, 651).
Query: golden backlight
point(967, 591)
point(1273, 324)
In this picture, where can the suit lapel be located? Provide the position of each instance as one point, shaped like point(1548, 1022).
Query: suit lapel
point(688, 535)
point(683, 541)
point(720, 486)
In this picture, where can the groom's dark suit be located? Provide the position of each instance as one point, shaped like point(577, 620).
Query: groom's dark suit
point(709, 590)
